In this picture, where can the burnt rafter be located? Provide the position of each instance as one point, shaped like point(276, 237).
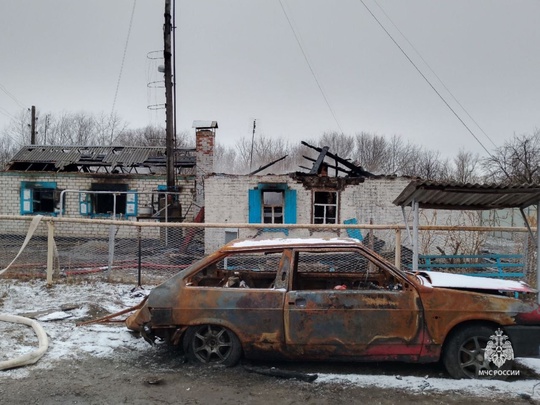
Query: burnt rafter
point(354, 171)
point(340, 169)
point(260, 169)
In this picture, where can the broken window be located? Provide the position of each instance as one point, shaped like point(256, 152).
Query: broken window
point(40, 198)
point(340, 270)
point(325, 207)
point(108, 199)
point(272, 207)
point(271, 203)
point(239, 270)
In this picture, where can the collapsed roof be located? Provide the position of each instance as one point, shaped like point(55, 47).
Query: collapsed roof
point(91, 159)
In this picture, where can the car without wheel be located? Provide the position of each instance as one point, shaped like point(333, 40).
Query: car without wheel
point(335, 299)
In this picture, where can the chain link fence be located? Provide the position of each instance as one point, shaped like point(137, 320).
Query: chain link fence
point(150, 251)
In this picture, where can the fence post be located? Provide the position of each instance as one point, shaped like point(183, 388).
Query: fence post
point(416, 208)
point(112, 231)
point(50, 252)
point(398, 249)
point(538, 251)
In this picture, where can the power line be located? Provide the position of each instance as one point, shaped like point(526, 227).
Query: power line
point(425, 78)
point(6, 113)
point(11, 96)
point(123, 58)
point(310, 67)
point(435, 74)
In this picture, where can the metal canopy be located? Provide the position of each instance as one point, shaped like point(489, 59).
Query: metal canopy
point(459, 196)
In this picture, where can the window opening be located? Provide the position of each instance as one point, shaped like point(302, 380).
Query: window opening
point(103, 203)
point(40, 198)
point(325, 207)
point(341, 270)
point(239, 270)
point(272, 207)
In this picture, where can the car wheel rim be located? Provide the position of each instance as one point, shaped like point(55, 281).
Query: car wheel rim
point(472, 356)
point(212, 344)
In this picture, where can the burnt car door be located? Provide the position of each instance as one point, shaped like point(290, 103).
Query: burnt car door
point(344, 304)
point(237, 291)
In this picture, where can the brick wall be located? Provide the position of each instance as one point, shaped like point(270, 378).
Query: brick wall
point(372, 200)
point(227, 202)
point(10, 183)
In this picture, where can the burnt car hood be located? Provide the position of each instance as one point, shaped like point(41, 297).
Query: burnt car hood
point(464, 282)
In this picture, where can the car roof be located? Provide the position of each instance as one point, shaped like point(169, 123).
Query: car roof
point(290, 242)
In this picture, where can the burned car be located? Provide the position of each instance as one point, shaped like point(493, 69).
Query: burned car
point(335, 299)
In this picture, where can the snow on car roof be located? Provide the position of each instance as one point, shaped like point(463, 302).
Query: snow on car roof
point(292, 241)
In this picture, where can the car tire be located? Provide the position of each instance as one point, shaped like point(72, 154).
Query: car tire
point(212, 344)
point(463, 354)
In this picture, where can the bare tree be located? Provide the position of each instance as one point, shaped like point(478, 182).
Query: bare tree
point(338, 143)
point(517, 162)
point(431, 166)
point(147, 136)
point(8, 148)
point(372, 152)
point(108, 128)
point(265, 150)
point(466, 167)
point(225, 159)
point(83, 129)
point(18, 130)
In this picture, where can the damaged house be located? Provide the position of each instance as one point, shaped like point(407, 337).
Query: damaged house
point(124, 182)
point(332, 191)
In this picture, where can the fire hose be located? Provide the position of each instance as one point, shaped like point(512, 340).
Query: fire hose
point(28, 358)
point(34, 356)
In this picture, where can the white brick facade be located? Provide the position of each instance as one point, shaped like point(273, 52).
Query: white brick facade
point(10, 199)
point(227, 202)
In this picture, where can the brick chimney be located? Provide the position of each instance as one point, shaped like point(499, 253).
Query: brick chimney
point(205, 134)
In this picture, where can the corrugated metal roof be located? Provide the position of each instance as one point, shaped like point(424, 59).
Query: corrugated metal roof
point(126, 156)
point(459, 196)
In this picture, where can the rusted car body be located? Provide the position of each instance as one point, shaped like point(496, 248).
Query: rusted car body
point(317, 299)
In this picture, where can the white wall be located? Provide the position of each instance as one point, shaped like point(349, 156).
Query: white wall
point(227, 202)
point(10, 184)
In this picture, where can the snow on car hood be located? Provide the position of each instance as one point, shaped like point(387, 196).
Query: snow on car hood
point(448, 280)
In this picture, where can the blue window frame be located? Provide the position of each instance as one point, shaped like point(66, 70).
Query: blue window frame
point(103, 204)
point(41, 197)
point(272, 203)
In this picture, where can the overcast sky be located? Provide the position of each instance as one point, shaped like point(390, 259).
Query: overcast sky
point(238, 60)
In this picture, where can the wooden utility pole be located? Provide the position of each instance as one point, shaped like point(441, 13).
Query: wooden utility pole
point(169, 106)
point(33, 126)
point(252, 141)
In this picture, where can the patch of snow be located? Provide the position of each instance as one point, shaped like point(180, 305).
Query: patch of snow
point(54, 316)
point(292, 241)
point(478, 387)
point(439, 279)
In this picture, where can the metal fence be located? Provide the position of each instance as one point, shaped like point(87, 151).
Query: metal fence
point(148, 252)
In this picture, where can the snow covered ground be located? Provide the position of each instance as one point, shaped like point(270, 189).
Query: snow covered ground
point(59, 308)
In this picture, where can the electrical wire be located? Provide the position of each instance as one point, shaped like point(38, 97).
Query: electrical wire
point(435, 74)
point(11, 96)
point(123, 60)
point(312, 70)
point(6, 113)
point(425, 78)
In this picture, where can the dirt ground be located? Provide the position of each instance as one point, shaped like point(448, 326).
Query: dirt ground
point(79, 369)
point(161, 377)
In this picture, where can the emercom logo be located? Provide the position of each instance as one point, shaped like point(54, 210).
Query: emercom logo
point(498, 351)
